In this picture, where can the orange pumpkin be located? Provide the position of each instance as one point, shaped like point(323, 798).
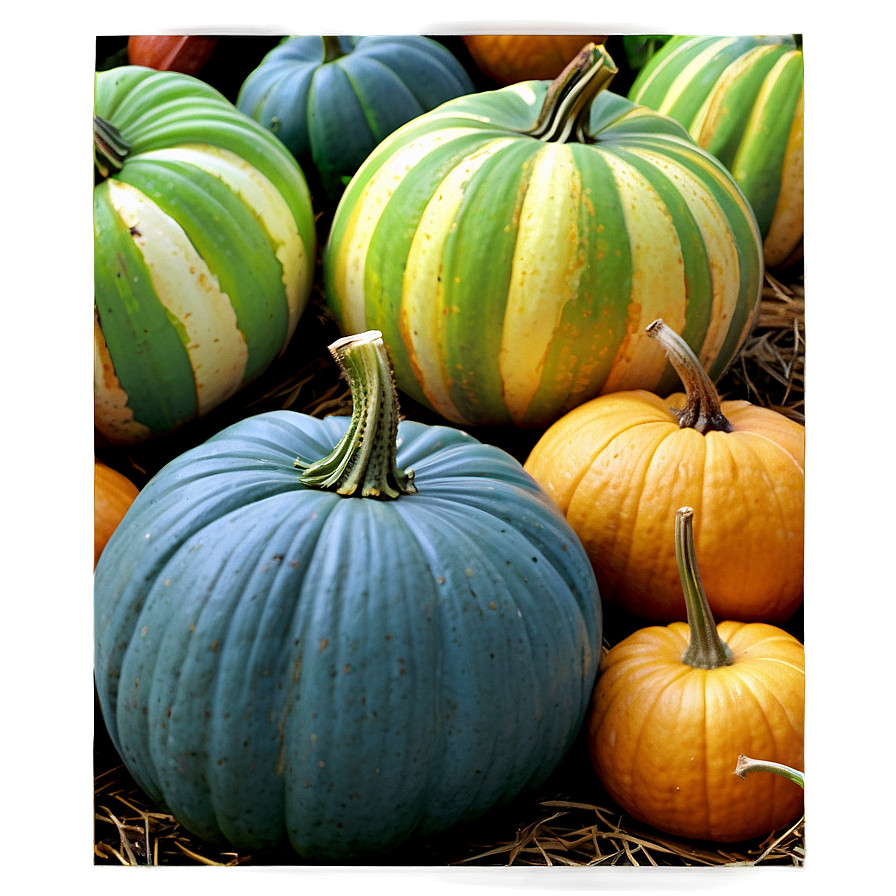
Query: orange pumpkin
point(185, 53)
point(113, 494)
point(621, 464)
point(508, 58)
point(674, 707)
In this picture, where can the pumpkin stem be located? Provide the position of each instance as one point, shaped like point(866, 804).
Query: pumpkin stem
point(110, 149)
point(365, 456)
point(745, 766)
point(567, 103)
point(706, 649)
point(332, 49)
point(703, 409)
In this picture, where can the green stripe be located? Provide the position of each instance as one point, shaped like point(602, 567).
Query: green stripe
point(148, 350)
point(477, 269)
point(390, 245)
point(747, 243)
point(232, 240)
point(759, 161)
point(599, 311)
point(697, 268)
point(739, 98)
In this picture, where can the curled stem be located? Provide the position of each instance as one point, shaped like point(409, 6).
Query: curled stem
point(364, 458)
point(746, 765)
point(703, 409)
point(706, 649)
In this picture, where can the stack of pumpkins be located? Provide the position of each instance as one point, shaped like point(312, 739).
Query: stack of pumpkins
point(342, 634)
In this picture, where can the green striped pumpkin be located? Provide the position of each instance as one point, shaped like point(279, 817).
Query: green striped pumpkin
point(741, 98)
point(512, 264)
point(204, 250)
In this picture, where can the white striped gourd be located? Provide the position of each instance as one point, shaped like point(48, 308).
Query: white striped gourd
point(204, 250)
point(741, 98)
point(512, 257)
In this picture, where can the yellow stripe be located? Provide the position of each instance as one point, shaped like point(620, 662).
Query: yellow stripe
point(720, 249)
point(190, 292)
point(786, 229)
point(349, 264)
point(658, 287)
point(259, 194)
point(546, 254)
point(423, 311)
point(114, 418)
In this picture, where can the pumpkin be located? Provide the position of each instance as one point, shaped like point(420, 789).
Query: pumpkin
point(331, 100)
point(204, 246)
point(741, 98)
point(113, 494)
point(675, 706)
point(350, 653)
point(512, 245)
point(619, 466)
point(508, 58)
point(186, 53)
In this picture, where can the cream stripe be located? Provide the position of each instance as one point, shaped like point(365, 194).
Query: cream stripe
point(113, 416)
point(658, 287)
point(546, 270)
point(260, 195)
point(190, 293)
point(423, 311)
point(683, 81)
point(351, 259)
point(720, 249)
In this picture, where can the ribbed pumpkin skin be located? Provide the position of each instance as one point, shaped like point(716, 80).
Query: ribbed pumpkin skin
point(279, 663)
point(741, 98)
point(513, 278)
point(508, 58)
point(113, 494)
point(619, 466)
point(332, 114)
point(664, 737)
point(204, 253)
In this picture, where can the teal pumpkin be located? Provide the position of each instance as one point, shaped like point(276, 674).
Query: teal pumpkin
point(741, 98)
point(281, 663)
point(513, 245)
point(204, 254)
point(331, 100)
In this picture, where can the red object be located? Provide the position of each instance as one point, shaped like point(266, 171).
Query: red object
point(186, 53)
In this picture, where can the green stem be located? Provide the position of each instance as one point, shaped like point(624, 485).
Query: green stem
point(567, 103)
point(332, 50)
point(703, 409)
point(745, 766)
point(110, 149)
point(706, 649)
point(364, 458)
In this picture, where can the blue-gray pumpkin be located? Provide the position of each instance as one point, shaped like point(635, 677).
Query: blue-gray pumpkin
point(346, 655)
point(332, 100)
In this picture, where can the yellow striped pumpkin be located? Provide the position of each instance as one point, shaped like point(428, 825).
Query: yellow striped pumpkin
point(204, 250)
point(741, 98)
point(512, 245)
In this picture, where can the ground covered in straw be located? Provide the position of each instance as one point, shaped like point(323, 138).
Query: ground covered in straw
point(570, 820)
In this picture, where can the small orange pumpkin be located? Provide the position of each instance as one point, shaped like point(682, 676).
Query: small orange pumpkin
point(185, 53)
point(113, 494)
point(674, 708)
point(621, 464)
point(508, 58)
